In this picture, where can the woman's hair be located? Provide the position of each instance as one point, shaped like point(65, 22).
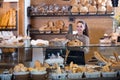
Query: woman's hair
point(85, 32)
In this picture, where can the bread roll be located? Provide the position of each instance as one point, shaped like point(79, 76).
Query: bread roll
point(75, 10)
point(93, 3)
point(12, 19)
point(37, 64)
point(92, 9)
point(101, 9)
point(109, 7)
point(50, 23)
point(59, 24)
point(83, 10)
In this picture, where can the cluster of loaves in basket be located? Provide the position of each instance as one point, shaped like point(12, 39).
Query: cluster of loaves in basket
point(54, 27)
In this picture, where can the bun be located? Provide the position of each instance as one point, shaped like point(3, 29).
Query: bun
point(83, 10)
point(75, 10)
point(101, 9)
point(109, 7)
point(50, 23)
point(20, 68)
point(92, 9)
point(37, 64)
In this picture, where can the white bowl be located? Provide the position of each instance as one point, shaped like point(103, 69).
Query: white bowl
point(56, 76)
point(38, 72)
point(20, 73)
point(109, 74)
point(75, 75)
point(92, 74)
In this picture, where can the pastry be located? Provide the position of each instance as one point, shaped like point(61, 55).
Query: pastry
point(75, 10)
point(93, 3)
point(109, 7)
point(101, 9)
point(37, 64)
point(59, 23)
point(92, 9)
point(65, 29)
point(50, 23)
point(55, 30)
point(83, 10)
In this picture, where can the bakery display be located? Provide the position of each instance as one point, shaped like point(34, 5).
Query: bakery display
point(8, 39)
point(49, 9)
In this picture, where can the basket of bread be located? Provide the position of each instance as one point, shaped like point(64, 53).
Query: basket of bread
point(38, 72)
point(58, 73)
point(111, 65)
point(92, 71)
point(74, 71)
point(21, 72)
point(108, 72)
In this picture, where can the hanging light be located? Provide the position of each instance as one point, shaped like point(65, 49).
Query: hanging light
point(115, 3)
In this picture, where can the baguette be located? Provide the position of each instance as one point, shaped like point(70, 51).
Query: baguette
point(101, 57)
point(12, 19)
point(116, 56)
point(4, 20)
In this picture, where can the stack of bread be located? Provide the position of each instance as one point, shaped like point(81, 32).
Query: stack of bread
point(54, 27)
point(91, 6)
point(8, 20)
point(74, 43)
point(20, 68)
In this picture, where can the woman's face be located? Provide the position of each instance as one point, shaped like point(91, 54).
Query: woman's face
point(80, 27)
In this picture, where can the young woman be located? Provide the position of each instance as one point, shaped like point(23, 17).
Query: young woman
point(77, 56)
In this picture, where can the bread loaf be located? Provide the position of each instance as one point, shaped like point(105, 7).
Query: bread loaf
point(4, 20)
point(9, 19)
